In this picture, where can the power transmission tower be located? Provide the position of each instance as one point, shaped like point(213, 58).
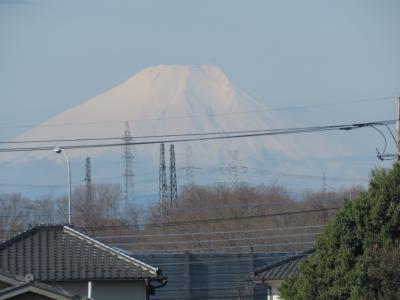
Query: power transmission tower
point(127, 173)
point(173, 186)
point(163, 187)
point(88, 180)
point(189, 169)
point(324, 188)
point(234, 169)
point(398, 132)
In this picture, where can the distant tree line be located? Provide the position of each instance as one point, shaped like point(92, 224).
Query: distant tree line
point(236, 218)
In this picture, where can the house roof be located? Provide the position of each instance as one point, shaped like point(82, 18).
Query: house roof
point(281, 269)
point(10, 278)
point(48, 291)
point(59, 253)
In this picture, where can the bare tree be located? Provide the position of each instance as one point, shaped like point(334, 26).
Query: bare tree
point(14, 215)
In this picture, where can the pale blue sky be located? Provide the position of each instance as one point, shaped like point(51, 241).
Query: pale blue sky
point(56, 54)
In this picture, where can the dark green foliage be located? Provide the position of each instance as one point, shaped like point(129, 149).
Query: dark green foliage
point(346, 258)
point(384, 272)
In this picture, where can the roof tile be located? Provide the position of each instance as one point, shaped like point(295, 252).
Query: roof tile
point(281, 269)
point(57, 252)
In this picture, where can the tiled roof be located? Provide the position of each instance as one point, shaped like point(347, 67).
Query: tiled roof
point(58, 253)
point(282, 269)
point(50, 292)
point(10, 278)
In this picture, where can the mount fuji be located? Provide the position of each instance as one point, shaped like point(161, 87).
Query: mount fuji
point(176, 99)
point(173, 99)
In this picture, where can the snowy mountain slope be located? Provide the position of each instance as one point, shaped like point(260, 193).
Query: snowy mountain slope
point(174, 99)
point(177, 99)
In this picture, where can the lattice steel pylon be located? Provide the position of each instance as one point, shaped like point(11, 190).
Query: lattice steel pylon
point(88, 180)
point(127, 173)
point(324, 187)
point(234, 169)
point(189, 166)
point(163, 186)
point(173, 186)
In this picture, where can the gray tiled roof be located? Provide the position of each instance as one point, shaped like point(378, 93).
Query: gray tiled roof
point(282, 269)
point(58, 253)
point(10, 278)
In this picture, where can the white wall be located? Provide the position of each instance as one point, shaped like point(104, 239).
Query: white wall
point(274, 289)
point(106, 290)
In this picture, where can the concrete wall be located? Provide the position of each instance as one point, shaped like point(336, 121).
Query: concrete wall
point(106, 290)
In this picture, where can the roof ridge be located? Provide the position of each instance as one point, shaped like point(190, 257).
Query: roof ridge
point(20, 235)
point(282, 261)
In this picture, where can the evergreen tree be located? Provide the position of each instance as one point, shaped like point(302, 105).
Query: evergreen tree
point(346, 253)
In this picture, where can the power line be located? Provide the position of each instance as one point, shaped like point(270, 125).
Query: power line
point(32, 185)
point(263, 172)
point(283, 130)
point(251, 231)
point(271, 255)
point(224, 247)
point(210, 297)
point(207, 208)
point(218, 240)
point(220, 137)
point(257, 230)
point(305, 106)
point(216, 220)
point(309, 176)
point(212, 220)
point(212, 232)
